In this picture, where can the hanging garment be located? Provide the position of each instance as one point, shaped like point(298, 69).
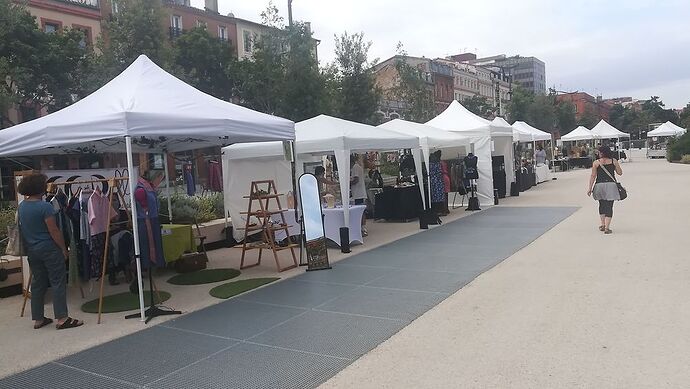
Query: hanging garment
point(84, 227)
point(122, 244)
point(97, 250)
point(436, 178)
point(446, 176)
point(100, 212)
point(215, 176)
point(150, 238)
point(189, 180)
point(73, 263)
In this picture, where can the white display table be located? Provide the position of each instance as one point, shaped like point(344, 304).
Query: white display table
point(333, 219)
point(543, 173)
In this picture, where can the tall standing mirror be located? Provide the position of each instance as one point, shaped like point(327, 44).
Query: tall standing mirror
point(312, 223)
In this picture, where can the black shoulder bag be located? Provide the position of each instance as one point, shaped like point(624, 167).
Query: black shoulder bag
point(622, 193)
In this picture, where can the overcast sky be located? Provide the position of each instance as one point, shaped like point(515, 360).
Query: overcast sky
point(614, 48)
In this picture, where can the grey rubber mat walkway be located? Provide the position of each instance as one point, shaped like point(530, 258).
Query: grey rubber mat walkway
point(300, 332)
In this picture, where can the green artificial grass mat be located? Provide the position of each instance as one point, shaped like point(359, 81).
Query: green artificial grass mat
point(234, 288)
point(122, 302)
point(206, 276)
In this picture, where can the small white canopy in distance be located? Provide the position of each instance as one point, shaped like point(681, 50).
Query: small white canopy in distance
point(667, 129)
point(580, 133)
point(537, 134)
point(603, 130)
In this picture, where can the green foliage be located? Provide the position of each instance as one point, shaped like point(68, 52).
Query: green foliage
point(7, 218)
point(542, 112)
point(678, 147)
point(589, 118)
point(412, 90)
point(202, 60)
point(519, 105)
point(684, 120)
point(358, 95)
point(188, 209)
point(479, 105)
point(38, 69)
point(565, 116)
point(685, 159)
point(136, 29)
point(654, 108)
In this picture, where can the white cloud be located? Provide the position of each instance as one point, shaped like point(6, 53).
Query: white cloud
point(611, 47)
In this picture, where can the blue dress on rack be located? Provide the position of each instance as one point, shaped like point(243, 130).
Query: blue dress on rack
point(156, 239)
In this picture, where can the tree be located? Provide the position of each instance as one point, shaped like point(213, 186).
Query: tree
point(520, 101)
point(589, 117)
point(202, 60)
point(412, 90)
point(565, 116)
point(478, 105)
point(358, 95)
point(685, 117)
point(39, 70)
point(541, 113)
point(654, 108)
point(617, 117)
point(134, 30)
point(305, 94)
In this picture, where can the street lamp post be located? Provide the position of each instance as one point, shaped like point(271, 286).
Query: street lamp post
point(290, 13)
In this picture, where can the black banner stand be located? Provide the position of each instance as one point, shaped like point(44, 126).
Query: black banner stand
point(473, 201)
point(345, 240)
point(153, 310)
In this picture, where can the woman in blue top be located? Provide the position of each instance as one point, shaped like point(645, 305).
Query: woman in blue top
point(46, 252)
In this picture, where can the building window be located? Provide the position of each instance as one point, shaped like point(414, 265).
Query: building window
point(248, 41)
point(223, 33)
point(51, 26)
point(115, 6)
point(201, 23)
point(86, 35)
point(176, 22)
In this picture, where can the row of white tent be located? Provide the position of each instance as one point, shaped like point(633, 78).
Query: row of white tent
point(602, 130)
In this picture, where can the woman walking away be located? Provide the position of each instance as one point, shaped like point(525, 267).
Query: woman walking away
point(603, 185)
point(47, 252)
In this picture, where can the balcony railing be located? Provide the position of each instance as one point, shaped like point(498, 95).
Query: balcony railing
point(95, 4)
point(175, 32)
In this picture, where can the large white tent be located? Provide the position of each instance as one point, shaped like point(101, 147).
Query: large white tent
point(430, 138)
point(580, 133)
point(144, 109)
point(667, 129)
point(485, 139)
point(321, 135)
point(603, 130)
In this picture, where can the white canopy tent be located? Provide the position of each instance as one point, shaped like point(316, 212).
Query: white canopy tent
point(321, 135)
point(143, 109)
point(537, 135)
point(580, 133)
point(430, 138)
point(603, 130)
point(667, 129)
point(485, 138)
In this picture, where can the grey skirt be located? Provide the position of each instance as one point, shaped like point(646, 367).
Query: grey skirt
point(606, 191)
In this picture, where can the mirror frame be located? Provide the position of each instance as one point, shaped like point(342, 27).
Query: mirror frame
point(317, 257)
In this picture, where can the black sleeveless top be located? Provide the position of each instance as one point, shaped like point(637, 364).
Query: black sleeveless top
point(601, 174)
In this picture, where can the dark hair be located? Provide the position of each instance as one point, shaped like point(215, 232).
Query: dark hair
point(319, 170)
point(33, 184)
point(605, 152)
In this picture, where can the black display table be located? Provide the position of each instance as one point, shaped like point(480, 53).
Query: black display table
point(526, 178)
point(403, 204)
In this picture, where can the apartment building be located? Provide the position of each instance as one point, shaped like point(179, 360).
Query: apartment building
point(529, 72)
point(586, 103)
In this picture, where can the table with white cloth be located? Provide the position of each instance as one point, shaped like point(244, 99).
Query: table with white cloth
point(334, 218)
point(542, 172)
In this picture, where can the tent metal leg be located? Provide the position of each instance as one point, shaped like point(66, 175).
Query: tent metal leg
point(167, 186)
point(135, 224)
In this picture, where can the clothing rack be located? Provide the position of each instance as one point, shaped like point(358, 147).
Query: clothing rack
point(113, 187)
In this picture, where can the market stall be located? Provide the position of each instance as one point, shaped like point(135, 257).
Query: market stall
point(540, 170)
point(142, 110)
point(316, 137)
point(430, 139)
point(603, 130)
point(485, 139)
point(567, 161)
point(657, 138)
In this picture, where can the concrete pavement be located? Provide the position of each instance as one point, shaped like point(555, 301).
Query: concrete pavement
point(575, 309)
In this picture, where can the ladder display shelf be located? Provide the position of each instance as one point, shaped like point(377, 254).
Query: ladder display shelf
point(265, 194)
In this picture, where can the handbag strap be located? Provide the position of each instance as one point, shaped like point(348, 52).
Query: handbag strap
point(607, 173)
